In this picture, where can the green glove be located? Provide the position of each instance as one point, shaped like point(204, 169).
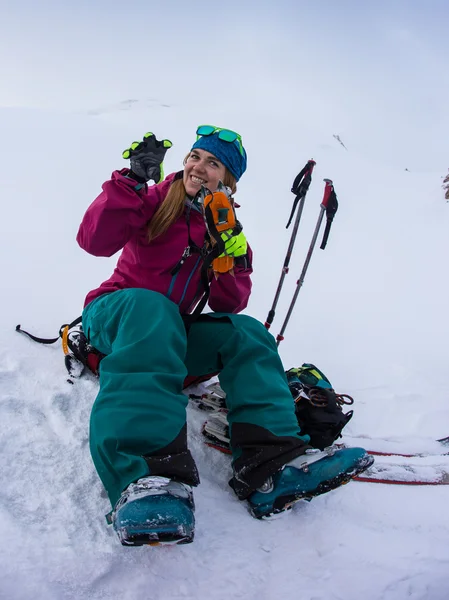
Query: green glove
point(235, 245)
point(146, 158)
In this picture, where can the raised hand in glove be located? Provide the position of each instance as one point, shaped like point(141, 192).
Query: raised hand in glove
point(146, 158)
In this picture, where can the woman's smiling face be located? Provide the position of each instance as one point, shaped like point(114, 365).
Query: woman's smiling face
point(202, 168)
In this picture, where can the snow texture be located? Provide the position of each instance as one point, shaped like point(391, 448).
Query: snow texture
point(372, 314)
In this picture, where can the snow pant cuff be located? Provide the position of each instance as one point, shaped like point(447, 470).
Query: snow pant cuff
point(260, 454)
point(174, 461)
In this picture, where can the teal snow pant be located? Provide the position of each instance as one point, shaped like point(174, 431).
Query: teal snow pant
point(138, 420)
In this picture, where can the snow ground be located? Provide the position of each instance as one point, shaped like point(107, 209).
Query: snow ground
point(372, 315)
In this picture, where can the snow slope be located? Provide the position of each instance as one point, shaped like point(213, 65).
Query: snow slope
point(372, 314)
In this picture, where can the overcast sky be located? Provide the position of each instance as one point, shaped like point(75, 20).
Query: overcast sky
point(373, 72)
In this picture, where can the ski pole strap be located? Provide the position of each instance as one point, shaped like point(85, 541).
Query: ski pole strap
point(49, 340)
point(301, 185)
point(330, 203)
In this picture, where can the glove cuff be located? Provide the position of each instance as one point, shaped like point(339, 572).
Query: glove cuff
point(137, 178)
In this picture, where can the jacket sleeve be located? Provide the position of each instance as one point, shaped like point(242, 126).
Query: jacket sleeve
point(116, 215)
point(230, 292)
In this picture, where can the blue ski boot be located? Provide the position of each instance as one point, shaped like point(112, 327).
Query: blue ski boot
point(153, 511)
point(311, 474)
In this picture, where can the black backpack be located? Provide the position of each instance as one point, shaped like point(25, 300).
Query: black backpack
point(318, 407)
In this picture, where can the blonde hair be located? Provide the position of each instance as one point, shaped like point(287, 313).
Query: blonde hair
point(173, 205)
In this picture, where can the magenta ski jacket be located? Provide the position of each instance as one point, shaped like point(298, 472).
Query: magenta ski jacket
point(117, 220)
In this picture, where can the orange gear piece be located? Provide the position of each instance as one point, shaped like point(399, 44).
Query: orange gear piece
point(64, 336)
point(224, 219)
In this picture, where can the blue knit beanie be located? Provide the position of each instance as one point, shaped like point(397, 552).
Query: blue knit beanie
point(227, 152)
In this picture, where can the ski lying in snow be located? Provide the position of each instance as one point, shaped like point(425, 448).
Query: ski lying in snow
point(442, 450)
point(223, 447)
point(406, 474)
point(399, 481)
point(400, 454)
point(395, 468)
point(429, 467)
point(420, 471)
point(416, 455)
point(392, 473)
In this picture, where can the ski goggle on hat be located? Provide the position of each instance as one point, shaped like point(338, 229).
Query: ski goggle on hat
point(227, 135)
point(225, 144)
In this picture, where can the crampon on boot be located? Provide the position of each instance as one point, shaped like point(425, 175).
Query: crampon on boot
point(155, 510)
point(311, 474)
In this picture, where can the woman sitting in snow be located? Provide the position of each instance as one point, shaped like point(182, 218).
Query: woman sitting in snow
point(175, 256)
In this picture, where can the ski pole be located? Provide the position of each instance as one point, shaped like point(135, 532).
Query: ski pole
point(330, 205)
point(299, 188)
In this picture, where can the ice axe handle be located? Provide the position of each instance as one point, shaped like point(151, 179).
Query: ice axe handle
point(223, 217)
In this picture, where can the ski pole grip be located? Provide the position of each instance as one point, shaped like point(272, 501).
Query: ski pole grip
point(307, 170)
point(330, 203)
point(328, 189)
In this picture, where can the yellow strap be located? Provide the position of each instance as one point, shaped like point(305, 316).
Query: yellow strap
point(298, 371)
point(317, 375)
